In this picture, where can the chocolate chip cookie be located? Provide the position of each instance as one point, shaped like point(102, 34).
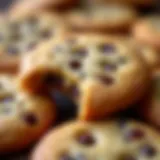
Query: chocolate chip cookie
point(103, 75)
point(22, 34)
point(23, 117)
point(111, 17)
point(147, 31)
point(28, 6)
point(113, 140)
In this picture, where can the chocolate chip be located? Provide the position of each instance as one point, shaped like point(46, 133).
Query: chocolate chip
point(13, 50)
point(46, 34)
point(86, 139)
point(7, 99)
point(29, 118)
point(106, 79)
point(75, 64)
point(31, 46)
point(109, 67)
point(148, 151)
point(66, 157)
point(107, 48)
point(134, 134)
point(80, 51)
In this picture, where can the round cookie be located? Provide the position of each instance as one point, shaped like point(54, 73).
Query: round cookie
point(147, 31)
point(112, 140)
point(30, 6)
point(111, 17)
point(22, 34)
point(150, 107)
point(23, 117)
point(101, 74)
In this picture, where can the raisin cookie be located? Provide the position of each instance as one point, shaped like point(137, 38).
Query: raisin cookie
point(150, 109)
point(23, 117)
point(103, 75)
point(23, 34)
point(147, 31)
point(111, 17)
point(112, 140)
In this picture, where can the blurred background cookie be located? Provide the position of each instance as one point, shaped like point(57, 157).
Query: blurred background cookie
point(147, 31)
point(112, 140)
point(111, 17)
point(27, 6)
point(137, 3)
point(150, 55)
point(22, 34)
point(23, 117)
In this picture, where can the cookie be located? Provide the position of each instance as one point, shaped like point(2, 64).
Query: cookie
point(101, 74)
point(150, 109)
point(20, 35)
point(112, 140)
point(148, 53)
point(137, 3)
point(28, 6)
point(147, 31)
point(111, 17)
point(23, 117)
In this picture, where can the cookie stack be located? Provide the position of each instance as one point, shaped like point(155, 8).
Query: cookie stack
point(103, 56)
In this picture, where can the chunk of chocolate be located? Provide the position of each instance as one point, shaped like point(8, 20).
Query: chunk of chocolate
point(29, 118)
point(86, 139)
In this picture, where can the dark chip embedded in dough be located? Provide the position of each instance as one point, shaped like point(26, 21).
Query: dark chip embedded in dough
point(30, 118)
